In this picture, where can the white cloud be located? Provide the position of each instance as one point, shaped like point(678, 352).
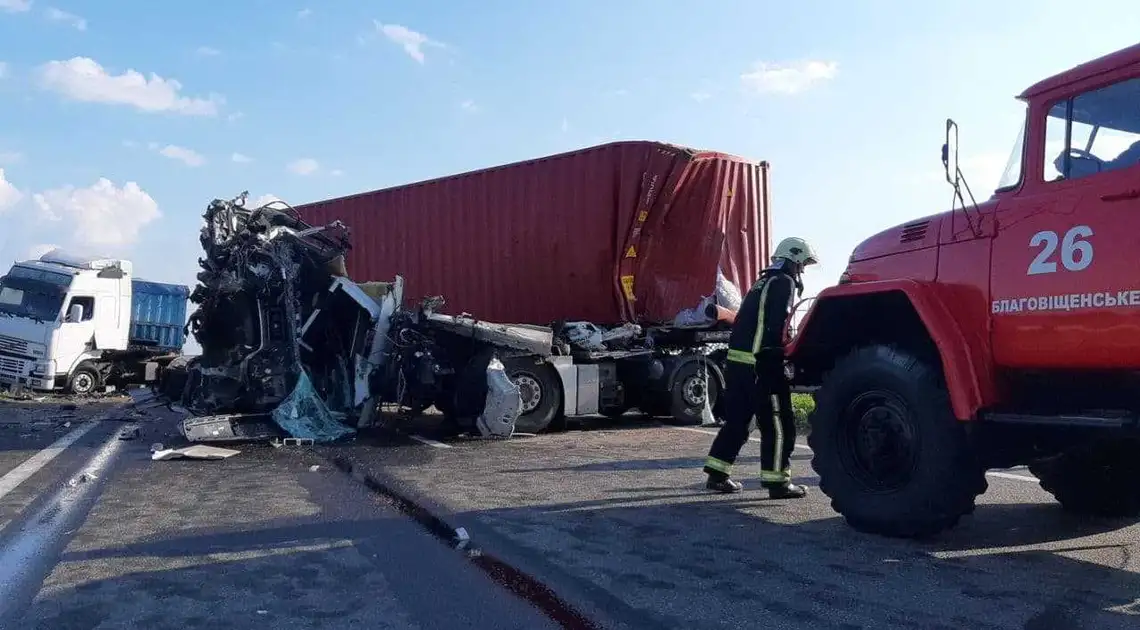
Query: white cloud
point(700, 97)
point(15, 6)
point(189, 157)
point(35, 251)
point(336, 172)
point(58, 15)
point(304, 13)
point(261, 201)
point(469, 106)
point(206, 51)
point(411, 41)
point(235, 116)
point(3, 69)
point(565, 125)
point(102, 214)
point(788, 78)
point(9, 194)
point(303, 166)
point(11, 157)
point(241, 158)
point(82, 79)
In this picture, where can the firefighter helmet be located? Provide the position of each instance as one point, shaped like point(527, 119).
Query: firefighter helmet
point(796, 250)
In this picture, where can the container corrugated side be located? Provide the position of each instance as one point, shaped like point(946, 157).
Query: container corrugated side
point(549, 239)
point(158, 314)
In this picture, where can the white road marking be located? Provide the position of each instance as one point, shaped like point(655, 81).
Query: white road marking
point(429, 441)
point(751, 439)
point(33, 464)
point(991, 473)
point(1003, 475)
point(24, 558)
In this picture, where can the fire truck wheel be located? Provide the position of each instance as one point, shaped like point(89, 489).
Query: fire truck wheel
point(887, 447)
point(1096, 480)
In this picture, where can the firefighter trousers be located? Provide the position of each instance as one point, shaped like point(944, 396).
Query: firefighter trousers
point(750, 392)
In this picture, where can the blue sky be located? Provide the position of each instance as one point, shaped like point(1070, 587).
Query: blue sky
point(317, 100)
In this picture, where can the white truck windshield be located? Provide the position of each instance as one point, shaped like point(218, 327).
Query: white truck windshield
point(33, 293)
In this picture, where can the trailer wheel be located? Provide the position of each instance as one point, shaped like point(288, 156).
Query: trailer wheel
point(540, 391)
point(1097, 480)
point(693, 384)
point(887, 448)
point(84, 380)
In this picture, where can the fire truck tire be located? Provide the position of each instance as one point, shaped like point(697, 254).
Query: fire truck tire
point(1099, 479)
point(888, 450)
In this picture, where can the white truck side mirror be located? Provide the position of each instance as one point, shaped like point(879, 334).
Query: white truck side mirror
point(75, 313)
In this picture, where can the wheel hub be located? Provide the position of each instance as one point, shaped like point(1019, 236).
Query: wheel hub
point(83, 383)
point(530, 392)
point(880, 441)
point(694, 391)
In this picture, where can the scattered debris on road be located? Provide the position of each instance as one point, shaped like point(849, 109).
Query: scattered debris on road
point(196, 451)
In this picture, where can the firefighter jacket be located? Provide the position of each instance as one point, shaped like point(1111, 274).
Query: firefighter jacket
point(759, 325)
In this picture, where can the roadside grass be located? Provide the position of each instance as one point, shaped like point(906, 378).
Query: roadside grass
point(802, 405)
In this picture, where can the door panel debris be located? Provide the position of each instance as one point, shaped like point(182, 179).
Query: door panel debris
point(291, 347)
point(253, 427)
point(503, 403)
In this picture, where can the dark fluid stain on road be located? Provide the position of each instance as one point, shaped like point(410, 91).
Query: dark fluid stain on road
point(522, 585)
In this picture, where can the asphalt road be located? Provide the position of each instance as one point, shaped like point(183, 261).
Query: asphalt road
point(615, 521)
point(101, 537)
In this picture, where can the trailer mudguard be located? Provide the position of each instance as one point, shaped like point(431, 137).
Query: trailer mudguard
point(966, 361)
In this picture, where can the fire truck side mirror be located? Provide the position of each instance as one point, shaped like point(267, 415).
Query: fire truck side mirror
point(950, 152)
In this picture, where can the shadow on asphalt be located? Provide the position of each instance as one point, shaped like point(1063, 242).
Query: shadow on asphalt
point(1022, 524)
point(647, 563)
point(432, 426)
point(642, 563)
point(261, 540)
point(659, 555)
point(673, 463)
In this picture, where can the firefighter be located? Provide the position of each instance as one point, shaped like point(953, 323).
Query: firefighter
point(755, 375)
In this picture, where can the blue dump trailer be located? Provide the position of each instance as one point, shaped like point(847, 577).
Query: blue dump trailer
point(158, 315)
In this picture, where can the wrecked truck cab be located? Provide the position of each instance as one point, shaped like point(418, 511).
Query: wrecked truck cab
point(292, 347)
point(264, 274)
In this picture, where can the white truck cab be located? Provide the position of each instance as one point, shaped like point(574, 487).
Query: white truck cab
point(59, 315)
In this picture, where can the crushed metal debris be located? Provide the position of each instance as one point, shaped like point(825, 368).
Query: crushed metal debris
point(292, 349)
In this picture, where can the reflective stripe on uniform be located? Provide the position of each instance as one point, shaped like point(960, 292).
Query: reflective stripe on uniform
point(740, 356)
point(758, 336)
point(718, 465)
point(778, 446)
point(775, 476)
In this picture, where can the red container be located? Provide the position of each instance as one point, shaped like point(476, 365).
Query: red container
point(627, 231)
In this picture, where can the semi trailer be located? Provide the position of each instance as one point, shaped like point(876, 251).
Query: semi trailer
point(625, 250)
